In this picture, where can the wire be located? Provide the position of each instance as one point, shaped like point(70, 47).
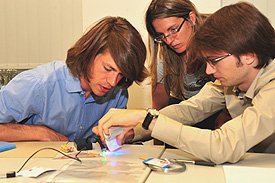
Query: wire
point(49, 148)
point(97, 139)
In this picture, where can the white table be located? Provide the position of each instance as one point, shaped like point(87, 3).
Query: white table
point(205, 174)
point(123, 165)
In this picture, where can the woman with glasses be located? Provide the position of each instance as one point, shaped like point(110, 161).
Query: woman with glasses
point(244, 67)
point(170, 24)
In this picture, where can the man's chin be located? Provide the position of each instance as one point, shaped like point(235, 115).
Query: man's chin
point(99, 94)
point(225, 84)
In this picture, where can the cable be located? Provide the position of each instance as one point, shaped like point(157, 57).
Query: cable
point(89, 137)
point(97, 139)
point(49, 148)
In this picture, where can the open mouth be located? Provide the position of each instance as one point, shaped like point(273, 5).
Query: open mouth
point(105, 89)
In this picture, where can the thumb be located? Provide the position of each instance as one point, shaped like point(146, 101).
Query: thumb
point(95, 130)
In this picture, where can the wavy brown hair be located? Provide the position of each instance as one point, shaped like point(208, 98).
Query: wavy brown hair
point(122, 40)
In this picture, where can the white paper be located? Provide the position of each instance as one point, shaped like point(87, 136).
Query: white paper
point(241, 174)
point(35, 171)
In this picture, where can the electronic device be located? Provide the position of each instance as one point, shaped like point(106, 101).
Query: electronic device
point(83, 144)
point(110, 139)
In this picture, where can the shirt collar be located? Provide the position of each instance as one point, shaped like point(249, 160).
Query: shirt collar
point(238, 92)
point(72, 83)
point(251, 90)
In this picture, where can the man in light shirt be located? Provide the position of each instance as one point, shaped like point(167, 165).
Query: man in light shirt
point(238, 44)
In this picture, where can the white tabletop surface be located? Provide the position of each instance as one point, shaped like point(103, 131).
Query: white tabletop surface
point(122, 165)
point(205, 174)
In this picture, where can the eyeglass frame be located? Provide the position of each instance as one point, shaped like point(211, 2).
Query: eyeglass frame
point(212, 62)
point(160, 39)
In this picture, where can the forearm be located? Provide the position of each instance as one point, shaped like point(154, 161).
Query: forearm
point(16, 132)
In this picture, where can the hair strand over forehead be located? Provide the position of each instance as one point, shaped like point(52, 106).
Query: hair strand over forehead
point(120, 38)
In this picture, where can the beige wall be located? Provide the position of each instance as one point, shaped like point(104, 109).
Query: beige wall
point(35, 32)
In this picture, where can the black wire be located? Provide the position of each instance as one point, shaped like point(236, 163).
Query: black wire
point(49, 148)
point(97, 139)
point(89, 137)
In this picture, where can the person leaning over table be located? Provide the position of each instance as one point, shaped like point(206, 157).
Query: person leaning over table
point(238, 43)
point(170, 24)
point(62, 101)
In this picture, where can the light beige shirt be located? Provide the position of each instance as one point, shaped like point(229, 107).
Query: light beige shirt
point(253, 120)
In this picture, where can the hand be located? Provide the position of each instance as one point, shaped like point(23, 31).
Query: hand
point(47, 134)
point(126, 136)
point(126, 118)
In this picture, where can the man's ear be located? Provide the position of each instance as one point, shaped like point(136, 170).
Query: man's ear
point(192, 17)
point(249, 58)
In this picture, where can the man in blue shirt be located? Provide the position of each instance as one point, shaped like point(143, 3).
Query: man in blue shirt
point(62, 101)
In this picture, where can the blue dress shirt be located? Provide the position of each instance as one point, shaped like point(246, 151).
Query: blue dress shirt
point(50, 96)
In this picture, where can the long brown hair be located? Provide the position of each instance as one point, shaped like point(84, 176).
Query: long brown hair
point(122, 40)
point(172, 62)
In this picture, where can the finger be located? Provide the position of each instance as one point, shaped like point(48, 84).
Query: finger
point(120, 139)
point(129, 136)
point(126, 136)
point(95, 130)
point(101, 122)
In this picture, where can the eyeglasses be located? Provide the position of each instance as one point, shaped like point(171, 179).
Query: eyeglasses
point(212, 62)
point(171, 32)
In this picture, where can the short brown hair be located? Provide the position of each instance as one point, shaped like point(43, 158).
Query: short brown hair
point(124, 43)
point(237, 29)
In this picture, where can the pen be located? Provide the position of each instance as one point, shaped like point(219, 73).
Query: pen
point(195, 162)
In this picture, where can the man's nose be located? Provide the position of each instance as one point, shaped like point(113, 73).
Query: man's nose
point(210, 69)
point(114, 79)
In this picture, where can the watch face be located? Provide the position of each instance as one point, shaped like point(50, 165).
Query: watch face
point(154, 112)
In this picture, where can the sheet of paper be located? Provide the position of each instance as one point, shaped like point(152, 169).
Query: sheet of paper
point(241, 174)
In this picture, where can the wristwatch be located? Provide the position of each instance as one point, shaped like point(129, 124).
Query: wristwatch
point(151, 114)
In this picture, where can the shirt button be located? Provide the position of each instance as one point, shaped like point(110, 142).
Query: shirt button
point(82, 93)
point(81, 127)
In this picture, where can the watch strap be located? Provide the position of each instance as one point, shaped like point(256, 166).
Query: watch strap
point(147, 121)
